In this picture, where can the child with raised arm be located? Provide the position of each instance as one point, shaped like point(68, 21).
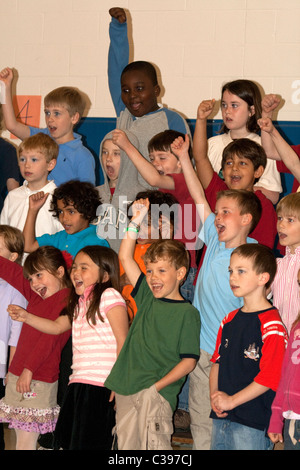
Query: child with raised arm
point(284, 422)
point(164, 171)
point(243, 163)
point(241, 108)
point(12, 248)
point(30, 403)
point(64, 108)
point(97, 315)
point(75, 205)
point(236, 214)
point(37, 157)
point(248, 355)
point(160, 224)
point(162, 345)
point(135, 90)
point(286, 156)
point(119, 189)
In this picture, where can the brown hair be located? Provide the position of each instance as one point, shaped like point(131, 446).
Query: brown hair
point(289, 205)
point(163, 140)
point(42, 143)
point(245, 148)
point(46, 258)
point(262, 257)
point(69, 97)
point(249, 92)
point(14, 240)
point(108, 262)
point(247, 201)
point(172, 250)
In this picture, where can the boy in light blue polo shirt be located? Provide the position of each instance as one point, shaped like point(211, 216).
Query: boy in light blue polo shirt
point(236, 214)
point(75, 205)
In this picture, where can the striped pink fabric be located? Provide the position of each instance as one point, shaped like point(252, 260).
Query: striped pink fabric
point(285, 287)
point(94, 346)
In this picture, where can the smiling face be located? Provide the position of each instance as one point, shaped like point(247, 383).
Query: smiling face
point(288, 228)
point(164, 279)
point(111, 161)
point(239, 173)
point(139, 95)
point(34, 168)
point(84, 273)
point(229, 222)
point(60, 123)
point(46, 284)
point(71, 220)
point(235, 114)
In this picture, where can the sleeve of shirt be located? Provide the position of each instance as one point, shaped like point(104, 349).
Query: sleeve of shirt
point(16, 326)
point(275, 339)
point(86, 166)
point(118, 58)
point(111, 298)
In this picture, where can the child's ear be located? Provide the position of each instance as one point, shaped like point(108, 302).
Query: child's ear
point(105, 276)
point(181, 273)
point(13, 256)
point(60, 272)
point(75, 118)
point(259, 171)
point(246, 219)
point(157, 90)
point(51, 164)
point(264, 278)
point(252, 110)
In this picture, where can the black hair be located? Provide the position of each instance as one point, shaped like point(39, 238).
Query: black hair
point(82, 195)
point(142, 65)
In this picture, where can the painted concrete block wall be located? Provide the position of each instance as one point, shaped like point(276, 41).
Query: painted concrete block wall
point(196, 45)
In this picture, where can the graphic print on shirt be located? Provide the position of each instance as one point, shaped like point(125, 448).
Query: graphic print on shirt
point(252, 352)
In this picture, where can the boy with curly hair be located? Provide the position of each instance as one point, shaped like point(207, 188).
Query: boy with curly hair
point(75, 205)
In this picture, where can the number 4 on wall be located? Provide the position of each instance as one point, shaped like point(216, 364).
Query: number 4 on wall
point(27, 110)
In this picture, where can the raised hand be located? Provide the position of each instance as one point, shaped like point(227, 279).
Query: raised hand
point(118, 13)
point(205, 108)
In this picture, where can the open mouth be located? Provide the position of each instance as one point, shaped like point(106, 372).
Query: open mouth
point(156, 288)
point(52, 129)
point(235, 179)
point(42, 292)
point(282, 236)
point(220, 228)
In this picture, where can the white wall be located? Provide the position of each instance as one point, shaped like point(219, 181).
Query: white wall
point(196, 44)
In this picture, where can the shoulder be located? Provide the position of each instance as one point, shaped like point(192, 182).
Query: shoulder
point(271, 324)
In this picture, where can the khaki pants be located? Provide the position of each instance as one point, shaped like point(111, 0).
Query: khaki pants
point(199, 403)
point(143, 421)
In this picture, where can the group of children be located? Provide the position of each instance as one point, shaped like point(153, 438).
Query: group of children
point(159, 290)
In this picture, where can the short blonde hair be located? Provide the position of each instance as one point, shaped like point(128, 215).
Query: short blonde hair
point(13, 239)
point(42, 143)
point(172, 250)
point(289, 205)
point(69, 97)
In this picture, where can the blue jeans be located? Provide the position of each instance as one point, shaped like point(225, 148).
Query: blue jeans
point(292, 431)
point(187, 289)
point(228, 435)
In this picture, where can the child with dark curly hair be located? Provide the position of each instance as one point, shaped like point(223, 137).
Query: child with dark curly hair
point(74, 204)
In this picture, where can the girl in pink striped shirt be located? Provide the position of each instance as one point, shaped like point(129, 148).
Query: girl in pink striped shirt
point(98, 317)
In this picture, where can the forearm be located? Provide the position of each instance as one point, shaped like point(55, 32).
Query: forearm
point(200, 148)
point(248, 393)
point(183, 368)
point(50, 327)
point(29, 232)
point(213, 378)
point(15, 127)
point(195, 188)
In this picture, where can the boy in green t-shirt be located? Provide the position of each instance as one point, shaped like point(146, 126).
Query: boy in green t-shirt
point(162, 345)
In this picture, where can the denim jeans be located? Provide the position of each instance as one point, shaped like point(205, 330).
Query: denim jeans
point(292, 434)
point(187, 289)
point(228, 435)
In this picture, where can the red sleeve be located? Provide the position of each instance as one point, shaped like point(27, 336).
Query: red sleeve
point(216, 185)
point(266, 230)
point(275, 339)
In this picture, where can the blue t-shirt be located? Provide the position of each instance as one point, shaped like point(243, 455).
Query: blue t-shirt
point(74, 161)
point(213, 297)
point(72, 243)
